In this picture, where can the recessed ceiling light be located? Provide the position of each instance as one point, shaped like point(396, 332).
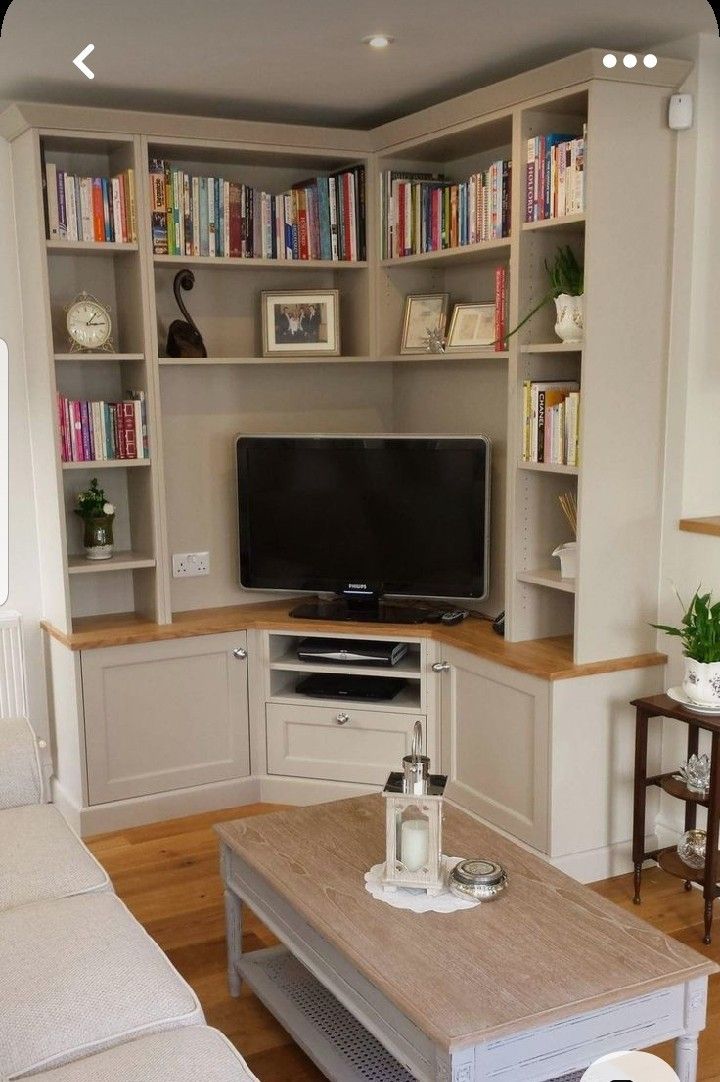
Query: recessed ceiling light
point(650, 60)
point(629, 60)
point(378, 41)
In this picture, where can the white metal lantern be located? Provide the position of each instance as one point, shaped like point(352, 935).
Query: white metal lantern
point(413, 823)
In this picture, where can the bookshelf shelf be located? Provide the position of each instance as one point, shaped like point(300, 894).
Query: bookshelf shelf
point(548, 467)
point(552, 347)
point(709, 526)
point(110, 358)
point(258, 264)
point(204, 362)
point(569, 221)
point(91, 247)
point(119, 561)
point(547, 576)
point(447, 358)
point(106, 464)
point(468, 253)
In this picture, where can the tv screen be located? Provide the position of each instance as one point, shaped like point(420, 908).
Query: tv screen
point(406, 515)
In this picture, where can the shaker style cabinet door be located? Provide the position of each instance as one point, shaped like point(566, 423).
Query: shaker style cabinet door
point(495, 729)
point(165, 715)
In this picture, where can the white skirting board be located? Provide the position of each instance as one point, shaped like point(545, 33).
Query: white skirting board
point(328, 1034)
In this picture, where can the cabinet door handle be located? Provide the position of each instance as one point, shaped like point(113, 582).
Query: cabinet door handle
point(342, 718)
point(441, 666)
point(240, 653)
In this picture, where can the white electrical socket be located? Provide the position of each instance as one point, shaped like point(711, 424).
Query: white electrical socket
point(187, 564)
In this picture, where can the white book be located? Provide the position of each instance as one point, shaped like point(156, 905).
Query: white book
point(71, 208)
point(212, 225)
point(117, 216)
point(86, 209)
point(103, 430)
point(52, 201)
point(97, 433)
point(139, 443)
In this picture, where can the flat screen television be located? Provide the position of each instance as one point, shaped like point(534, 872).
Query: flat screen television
point(364, 517)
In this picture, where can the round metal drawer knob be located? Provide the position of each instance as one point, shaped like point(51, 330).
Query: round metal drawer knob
point(240, 653)
point(342, 718)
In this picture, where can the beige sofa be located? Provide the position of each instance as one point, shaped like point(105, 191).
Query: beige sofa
point(86, 995)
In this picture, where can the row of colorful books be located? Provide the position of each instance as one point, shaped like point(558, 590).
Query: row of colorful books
point(555, 176)
point(426, 213)
point(101, 431)
point(90, 208)
point(551, 422)
point(321, 218)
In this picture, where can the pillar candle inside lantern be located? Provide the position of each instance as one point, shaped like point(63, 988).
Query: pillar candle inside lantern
point(414, 837)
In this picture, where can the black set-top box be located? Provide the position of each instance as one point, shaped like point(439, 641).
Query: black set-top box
point(351, 651)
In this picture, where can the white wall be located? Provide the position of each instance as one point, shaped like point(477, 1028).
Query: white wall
point(692, 452)
point(25, 594)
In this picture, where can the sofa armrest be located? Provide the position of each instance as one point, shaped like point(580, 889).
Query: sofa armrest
point(23, 771)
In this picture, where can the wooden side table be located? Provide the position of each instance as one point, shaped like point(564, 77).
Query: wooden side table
point(668, 859)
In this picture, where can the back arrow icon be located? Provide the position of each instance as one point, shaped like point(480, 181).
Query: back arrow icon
point(78, 62)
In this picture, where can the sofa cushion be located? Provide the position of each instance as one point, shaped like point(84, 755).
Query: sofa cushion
point(41, 857)
point(20, 773)
point(191, 1054)
point(78, 975)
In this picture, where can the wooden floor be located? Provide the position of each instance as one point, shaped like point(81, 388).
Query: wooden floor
point(167, 874)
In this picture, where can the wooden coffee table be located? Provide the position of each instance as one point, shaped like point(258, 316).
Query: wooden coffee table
point(527, 988)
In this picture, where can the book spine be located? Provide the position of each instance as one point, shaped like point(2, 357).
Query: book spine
point(127, 410)
point(124, 207)
point(62, 206)
point(352, 216)
point(226, 218)
point(540, 447)
point(195, 215)
point(203, 216)
point(169, 210)
point(361, 205)
point(500, 306)
point(51, 187)
point(333, 210)
point(86, 220)
point(302, 225)
point(235, 232)
point(116, 209)
point(158, 220)
point(348, 217)
point(70, 208)
point(187, 213)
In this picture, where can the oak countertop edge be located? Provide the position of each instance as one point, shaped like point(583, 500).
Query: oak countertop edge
point(549, 658)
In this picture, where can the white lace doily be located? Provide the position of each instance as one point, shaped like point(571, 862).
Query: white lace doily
point(413, 898)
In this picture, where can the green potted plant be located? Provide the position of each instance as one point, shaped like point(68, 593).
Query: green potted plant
point(699, 631)
point(98, 515)
point(566, 289)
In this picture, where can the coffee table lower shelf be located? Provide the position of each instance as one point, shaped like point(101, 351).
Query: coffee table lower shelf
point(330, 1036)
point(333, 1039)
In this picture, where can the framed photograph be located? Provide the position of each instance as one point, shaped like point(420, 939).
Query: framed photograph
point(472, 327)
point(423, 312)
point(301, 321)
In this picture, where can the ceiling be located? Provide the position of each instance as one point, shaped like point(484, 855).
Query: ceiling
point(303, 61)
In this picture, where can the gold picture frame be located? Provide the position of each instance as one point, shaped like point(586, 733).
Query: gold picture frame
point(472, 327)
point(300, 322)
point(424, 312)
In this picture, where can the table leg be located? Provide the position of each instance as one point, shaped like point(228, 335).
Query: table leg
point(455, 1066)
point(233, 934)
point(711, 841)
point(686, 1053)
point(640, 794)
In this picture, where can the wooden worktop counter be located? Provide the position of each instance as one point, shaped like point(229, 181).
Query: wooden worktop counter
point(550, 659)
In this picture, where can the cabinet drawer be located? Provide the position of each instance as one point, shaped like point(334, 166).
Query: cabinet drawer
point(317, 742)
point(165, 715)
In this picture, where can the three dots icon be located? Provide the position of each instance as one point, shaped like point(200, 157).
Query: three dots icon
point(630, 60)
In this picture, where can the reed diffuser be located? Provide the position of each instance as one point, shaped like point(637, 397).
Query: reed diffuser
point(568, 551)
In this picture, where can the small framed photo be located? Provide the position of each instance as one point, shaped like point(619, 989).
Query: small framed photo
point(301, 321)
point(472, 326)
point(424, 313)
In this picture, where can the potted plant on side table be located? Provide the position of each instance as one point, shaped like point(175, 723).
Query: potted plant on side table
point(699, 631)
point(97, 514)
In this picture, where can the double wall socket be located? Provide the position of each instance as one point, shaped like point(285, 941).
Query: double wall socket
point(187, 564)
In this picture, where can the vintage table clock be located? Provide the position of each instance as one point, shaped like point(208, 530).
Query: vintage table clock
point(413, 823)
point(89, 325)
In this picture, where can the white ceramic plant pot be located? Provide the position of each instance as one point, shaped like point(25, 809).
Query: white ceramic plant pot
point(569, 326)
point(702, 682)
point(568, 559)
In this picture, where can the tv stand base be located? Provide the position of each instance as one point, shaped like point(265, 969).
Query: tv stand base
point(339, 609)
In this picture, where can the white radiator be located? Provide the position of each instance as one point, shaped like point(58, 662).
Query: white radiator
point(13, 694)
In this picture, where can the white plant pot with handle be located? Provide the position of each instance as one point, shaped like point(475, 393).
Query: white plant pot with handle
point(569, 325)
point(702, 682)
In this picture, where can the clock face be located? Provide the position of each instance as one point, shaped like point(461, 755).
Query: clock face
point(88, 323)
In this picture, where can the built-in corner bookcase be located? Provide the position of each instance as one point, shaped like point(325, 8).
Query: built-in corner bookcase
point(182, 497)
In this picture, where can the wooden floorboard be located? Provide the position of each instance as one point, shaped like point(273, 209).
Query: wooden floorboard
point(168, 875)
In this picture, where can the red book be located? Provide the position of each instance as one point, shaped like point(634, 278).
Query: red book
point(98, 210)
point(347, 214)
point(302, 224)
point(129, 441)
point(61, 428)
point(235, 220)
point(500, 303)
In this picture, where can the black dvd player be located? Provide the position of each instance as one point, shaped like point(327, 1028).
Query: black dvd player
point(348, 686)
point(351, 651)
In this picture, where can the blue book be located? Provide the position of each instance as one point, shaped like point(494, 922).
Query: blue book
point(107, 200)
point(323, 196)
